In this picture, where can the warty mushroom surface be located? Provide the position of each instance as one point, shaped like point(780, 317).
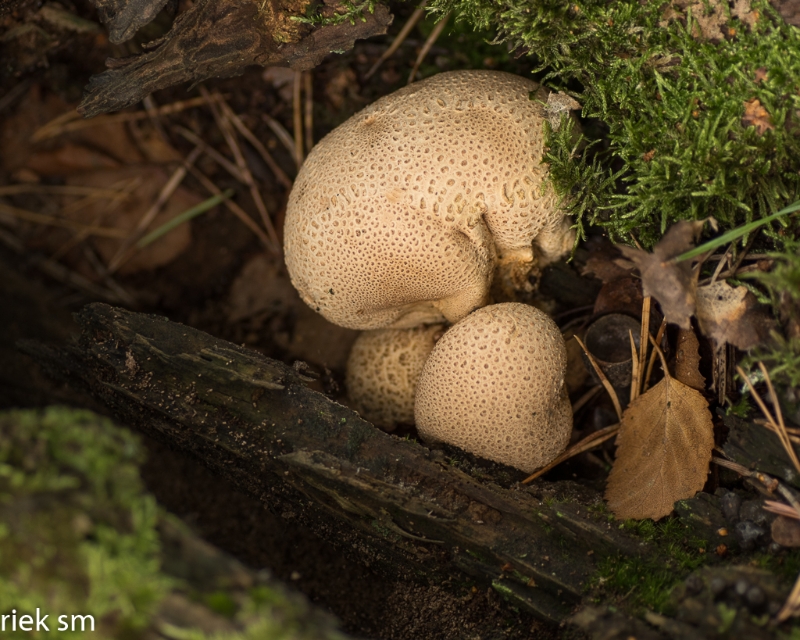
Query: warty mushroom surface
point(382, 373)
point(494, 386)
point(400, 216)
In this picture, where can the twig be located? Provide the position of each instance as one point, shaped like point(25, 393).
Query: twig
point(644, 334)
point(126, 248)
point(297, 118)
point(652, 360)
point(54, 221)
point(773, 506)
point(150, 106)
point(236, 121)
point(59, 272)
point(93, 259)
point(589, 442)
point(233, 145)
point(58, 189)
point(777, 425)
point(234, 208)
point(721, 264)
point(437, 31)
point(308, 117)
point(72, 120)
point(635, 373)
point(399, 39)
point(282, 134)
point(215, 155)
point(610, 389)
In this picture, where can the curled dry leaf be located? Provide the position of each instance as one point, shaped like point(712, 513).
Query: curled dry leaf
point(664, 450)
point(687, 360)
point(732, 315)
point(755, 115)
point(671, 283)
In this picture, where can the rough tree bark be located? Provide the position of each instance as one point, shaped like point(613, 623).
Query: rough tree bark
point(215, 39)
point(391, 503)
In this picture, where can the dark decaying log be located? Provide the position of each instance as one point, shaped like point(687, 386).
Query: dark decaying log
point(123, 18)
point(390, 502)
point(220, 39)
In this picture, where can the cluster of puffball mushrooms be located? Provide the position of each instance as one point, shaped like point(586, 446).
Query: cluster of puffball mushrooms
point(398, 224)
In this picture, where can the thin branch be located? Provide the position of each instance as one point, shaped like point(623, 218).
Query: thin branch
point(610, 389)
point(399, 39)
point(127, 249)
point(589, 442)
point(297, 118)
point(437, 31)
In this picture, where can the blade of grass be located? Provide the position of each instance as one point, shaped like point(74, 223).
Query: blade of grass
point(183, 217)
point(735, 234)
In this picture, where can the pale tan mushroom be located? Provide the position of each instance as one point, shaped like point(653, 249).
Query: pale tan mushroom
point(400, 215)
point(494, 386)
point(382, 373)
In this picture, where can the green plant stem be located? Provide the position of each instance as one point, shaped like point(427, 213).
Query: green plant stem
point(184, 217)
point(735, 234)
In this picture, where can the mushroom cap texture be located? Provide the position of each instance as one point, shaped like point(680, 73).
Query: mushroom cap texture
point(382, 373)
point(494, 386)
point(398, 216)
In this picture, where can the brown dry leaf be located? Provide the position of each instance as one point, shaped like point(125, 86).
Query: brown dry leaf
point(755, 115)
point(126, 215)
point(671, 283)
point(68, 159)
point(687, 360)
point(664, 450)
point(604, 261)
point(786, 531)
point(732, 315)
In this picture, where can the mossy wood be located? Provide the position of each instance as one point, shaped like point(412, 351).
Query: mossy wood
point(390, 502)
point(81, 535)
point(217, 39)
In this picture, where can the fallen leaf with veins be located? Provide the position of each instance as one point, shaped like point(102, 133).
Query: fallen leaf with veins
point(671, 283)
point(732, 315)
point(687, 360)
point(664, 450)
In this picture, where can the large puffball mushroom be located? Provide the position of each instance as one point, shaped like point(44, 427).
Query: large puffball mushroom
point(400, 215)
point(382, 373)
point(494, 386)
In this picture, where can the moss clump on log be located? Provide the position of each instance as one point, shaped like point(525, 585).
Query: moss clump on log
point(700, 100)
point(83, 544)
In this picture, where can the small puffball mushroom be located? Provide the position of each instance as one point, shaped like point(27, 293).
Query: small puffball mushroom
point(400, 216)
point(382, 373)
point(494, 386)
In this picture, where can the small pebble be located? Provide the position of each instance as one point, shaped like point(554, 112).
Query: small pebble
point(717, 585)
point(741, 587)
point(748, 533)
point(755, 597)
point(694, 584)
point(730, 504)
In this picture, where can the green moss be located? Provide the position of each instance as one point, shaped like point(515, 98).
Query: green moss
point(673, 102)
point(319, 15)
point(79, 537)
point(635, 583)
point(784, 565)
